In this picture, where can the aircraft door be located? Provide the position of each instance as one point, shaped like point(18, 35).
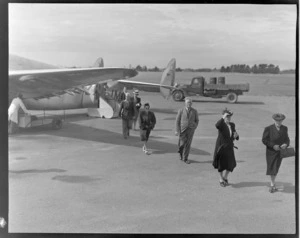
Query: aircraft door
point(167, 79)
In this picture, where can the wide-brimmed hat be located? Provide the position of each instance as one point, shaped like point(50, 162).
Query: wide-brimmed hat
point(278, 117)
point(230, 113)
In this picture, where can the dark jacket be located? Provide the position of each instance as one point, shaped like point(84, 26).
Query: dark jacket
point(137, 103)
point(272, 136)
point(224, 145)
point(147, 123)
point(184, 121)
point(126, 108)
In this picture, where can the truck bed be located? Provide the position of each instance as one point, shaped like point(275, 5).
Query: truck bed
point(227, 87)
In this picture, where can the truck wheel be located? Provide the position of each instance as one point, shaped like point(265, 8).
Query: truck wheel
point(232, 97)
point(56, 124)
point(178, 95)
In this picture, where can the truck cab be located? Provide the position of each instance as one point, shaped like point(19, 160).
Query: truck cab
point(197, 85)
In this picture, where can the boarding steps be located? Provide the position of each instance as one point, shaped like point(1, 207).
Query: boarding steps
point(108, 108)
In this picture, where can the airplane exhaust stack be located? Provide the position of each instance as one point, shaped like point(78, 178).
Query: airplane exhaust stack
point(99, 63)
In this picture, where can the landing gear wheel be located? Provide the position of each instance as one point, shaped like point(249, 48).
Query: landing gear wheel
point(232, 97)
point(178, 95)
point(56, 124)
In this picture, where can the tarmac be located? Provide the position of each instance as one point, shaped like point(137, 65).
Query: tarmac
point(86, 178)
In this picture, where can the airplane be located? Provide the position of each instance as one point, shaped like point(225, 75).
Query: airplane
point(61, 89)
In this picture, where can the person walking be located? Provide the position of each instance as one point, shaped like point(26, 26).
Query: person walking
point(275, 138)
point(123, 94)
point(147, 123)
point(13, 113)
point(224, 159)
point(126, 113)
point(186, 123)
point(137, 105)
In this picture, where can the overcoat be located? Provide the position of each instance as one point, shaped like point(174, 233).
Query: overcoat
point(137, 106)
point(127, 106)
point(271, 137)
point(224, 158)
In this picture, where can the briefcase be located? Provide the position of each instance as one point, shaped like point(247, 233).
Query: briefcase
point(288, 152)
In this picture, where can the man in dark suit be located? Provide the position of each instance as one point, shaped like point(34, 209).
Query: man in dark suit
point(275, 138)
point(186, 123)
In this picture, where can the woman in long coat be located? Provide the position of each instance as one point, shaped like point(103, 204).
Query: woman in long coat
point(224, 159)
point(126, 113)
point(136, 105)
point(275, 138)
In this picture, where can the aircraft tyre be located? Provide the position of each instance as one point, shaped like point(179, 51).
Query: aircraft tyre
point(56, 124)
point(178, 95)
point(232, 97)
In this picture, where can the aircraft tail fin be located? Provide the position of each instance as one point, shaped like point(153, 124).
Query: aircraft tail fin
point(168, 79)
point(99, 63)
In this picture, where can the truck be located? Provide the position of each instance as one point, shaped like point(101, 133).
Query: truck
point(216, 88)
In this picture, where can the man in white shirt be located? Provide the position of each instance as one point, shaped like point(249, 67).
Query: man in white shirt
point(13, 113)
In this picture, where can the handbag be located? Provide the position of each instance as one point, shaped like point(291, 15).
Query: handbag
point(288, 152)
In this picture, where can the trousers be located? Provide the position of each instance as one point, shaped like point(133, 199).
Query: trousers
point(185, 142)
point(126, 125)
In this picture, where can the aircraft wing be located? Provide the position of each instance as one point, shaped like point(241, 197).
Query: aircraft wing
point(147, 87)
point(46, 83)
point(165, 87)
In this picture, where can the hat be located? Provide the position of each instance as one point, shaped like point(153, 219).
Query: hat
point(230, 113)
point(136, 92)
point(278, 117)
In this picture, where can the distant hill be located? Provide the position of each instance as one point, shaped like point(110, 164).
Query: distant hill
point(21, 63)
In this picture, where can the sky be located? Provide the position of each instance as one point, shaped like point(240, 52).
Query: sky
point(197, 35)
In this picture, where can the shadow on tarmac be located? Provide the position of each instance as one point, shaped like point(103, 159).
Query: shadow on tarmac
point(211, 161)
point(37, 171)
point(76, 131)
point(282, 186)
point(75, 179)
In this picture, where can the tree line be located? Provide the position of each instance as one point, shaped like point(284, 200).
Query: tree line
point(255, 69)
point(235, 68)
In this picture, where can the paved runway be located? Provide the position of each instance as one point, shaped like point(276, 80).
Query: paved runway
point(85, 178)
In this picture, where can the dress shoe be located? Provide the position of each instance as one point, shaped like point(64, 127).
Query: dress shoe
point(226, 182)
point(187, 161)
point(222, 184)
point(273, 189)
